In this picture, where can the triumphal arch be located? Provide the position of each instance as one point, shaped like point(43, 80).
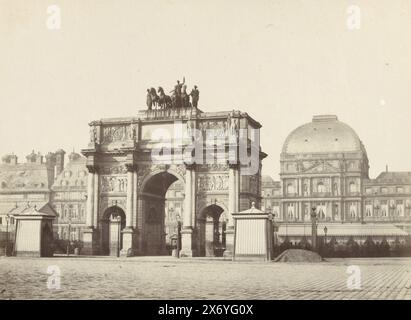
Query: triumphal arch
point(133, 161)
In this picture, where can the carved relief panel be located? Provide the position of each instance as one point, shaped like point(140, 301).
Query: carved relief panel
point(114, 184)
point(212, 182)
point(118, 133)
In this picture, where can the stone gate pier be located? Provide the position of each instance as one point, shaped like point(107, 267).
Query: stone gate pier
point(133, 161)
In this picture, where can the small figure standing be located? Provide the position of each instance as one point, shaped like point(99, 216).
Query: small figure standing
point(185, 98)
point(176, 94)
point(195, 96)
point(149, 100)
point(178, 86)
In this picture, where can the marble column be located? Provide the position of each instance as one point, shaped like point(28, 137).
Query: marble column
point(189, 211)
point(129, 202)
point(89, 234)
point(233, 207)
point(128, 232)
point(96, 199)
point(90, 200)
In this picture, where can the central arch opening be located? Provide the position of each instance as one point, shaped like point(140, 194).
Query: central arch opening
point(162, 201)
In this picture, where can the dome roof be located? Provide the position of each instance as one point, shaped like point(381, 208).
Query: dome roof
point(325, 134)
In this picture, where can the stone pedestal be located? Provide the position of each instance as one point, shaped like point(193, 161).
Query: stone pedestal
point(89, 242)
point(186, 243)
point(229, 242)
point(128, 250)
point(209, 239)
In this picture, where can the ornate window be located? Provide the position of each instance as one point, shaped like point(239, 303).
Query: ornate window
point(368, 209)
point(353, 187)
point(290, 211)
point(384, 208)
point(290, 188)
point(320, 187)
point(335, 186)
point(353, 210)
point(400, 208)
point(321, 213)
point(305, 189)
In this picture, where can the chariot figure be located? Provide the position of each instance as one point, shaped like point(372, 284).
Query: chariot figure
point(176, 94)
point(195, 96)
point(149, 100)
point(185, 98)
point(178, 87)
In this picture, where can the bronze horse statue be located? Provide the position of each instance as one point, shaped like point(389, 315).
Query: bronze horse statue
point(163, 100)
point(154, 97)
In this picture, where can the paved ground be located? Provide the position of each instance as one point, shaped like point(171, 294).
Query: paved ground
point(169, 278)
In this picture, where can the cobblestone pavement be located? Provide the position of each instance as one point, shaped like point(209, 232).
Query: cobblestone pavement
point(169, 278)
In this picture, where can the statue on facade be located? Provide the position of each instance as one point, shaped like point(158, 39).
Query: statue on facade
point(176, 94)
point(179, 97)
point(185, 98)
point(93, 135)
point(149, 100)
point(195, 96)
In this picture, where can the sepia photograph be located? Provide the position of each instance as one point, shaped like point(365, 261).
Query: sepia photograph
point(205, 155)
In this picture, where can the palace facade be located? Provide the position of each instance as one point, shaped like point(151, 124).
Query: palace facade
point(325, 167)
point(46, 179)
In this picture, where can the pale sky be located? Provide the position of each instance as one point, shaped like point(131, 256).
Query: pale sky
point(280, 61)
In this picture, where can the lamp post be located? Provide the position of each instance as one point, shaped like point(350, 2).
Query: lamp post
point(314, 228)
point(178, 218)
point(119, 235)
point(7, 234)
point(69, 235)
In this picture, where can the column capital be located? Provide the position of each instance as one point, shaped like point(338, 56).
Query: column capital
point(190, 166)
point(92, 168)
point(233, 165)
point(131, 167)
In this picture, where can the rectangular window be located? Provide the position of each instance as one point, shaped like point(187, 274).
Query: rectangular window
point(1, 220)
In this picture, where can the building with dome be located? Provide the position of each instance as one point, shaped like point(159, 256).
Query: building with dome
point(324, 166)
